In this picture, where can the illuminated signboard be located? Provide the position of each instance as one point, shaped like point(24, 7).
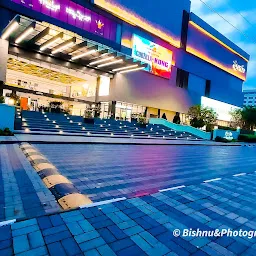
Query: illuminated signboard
point(237, 67)
point(73, 14)
point(158, 58)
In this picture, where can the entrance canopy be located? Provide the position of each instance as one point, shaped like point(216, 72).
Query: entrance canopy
point(57, 42)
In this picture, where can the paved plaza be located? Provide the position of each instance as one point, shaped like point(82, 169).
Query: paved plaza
point(105, 172)
point(204, 188)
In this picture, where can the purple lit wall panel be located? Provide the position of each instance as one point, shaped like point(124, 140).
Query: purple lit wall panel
point(75, 15)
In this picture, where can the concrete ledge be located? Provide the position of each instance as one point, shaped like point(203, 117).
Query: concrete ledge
point(56, 139)
point(7, 114)
point(181, 128)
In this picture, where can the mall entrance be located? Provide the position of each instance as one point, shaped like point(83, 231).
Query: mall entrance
point(50, 66)
point(39, 86)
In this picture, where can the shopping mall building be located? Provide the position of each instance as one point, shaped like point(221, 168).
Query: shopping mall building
point(131, 57)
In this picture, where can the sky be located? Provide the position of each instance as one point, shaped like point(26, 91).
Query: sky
point(240, 13)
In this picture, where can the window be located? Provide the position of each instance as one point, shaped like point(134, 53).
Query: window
point(207, 88)
point(182, 78)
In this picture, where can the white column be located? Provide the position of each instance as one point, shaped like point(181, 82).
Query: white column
point(4, 46)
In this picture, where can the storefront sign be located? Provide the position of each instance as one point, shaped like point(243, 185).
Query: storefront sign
point(50, 5)
point(237, 67)
point(228, 135)
point(158, 57)
point(75, 15)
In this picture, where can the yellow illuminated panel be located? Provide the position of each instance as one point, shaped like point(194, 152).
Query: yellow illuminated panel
point(136, 20)
point(215, 63)
point(216, 39)
point(126, 42)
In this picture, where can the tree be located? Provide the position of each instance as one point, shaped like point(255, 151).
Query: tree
point(237, 118)
point(249, 117)
point(200, 116)
point(2, 100)
point(245, 118)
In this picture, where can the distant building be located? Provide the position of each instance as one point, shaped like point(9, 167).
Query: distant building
point(250, 98)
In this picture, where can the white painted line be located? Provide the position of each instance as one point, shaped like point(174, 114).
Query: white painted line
point(207, 181)
point(7, 222)
point(173, 188)
point(103, 202)
point(239, 174)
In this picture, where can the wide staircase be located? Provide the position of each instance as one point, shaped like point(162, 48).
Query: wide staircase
point(45, 123)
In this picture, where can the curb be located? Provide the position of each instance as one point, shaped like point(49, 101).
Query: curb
point(64, 191)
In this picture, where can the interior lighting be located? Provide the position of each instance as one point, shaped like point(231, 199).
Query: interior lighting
point(64, 45)
point(131, 70)
point(60, 131)
point(47, 119)
point(102, 60)
point(52, 41)
point(27, 130)
point(88, 133)
point(83, 128)
point(11, 102)
point(25, 33)
point(111, 63)
point(83, 54)
point(124, 68)
point(12, 26)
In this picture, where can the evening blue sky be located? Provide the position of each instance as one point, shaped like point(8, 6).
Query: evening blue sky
point(233, 11)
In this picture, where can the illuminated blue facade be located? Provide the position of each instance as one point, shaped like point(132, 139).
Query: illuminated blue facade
point(202, 64)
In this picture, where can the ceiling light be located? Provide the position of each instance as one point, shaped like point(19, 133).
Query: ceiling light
point(25, 33)
point(127, 67)
point(64, 45)
point(83, 54)
point(12, 26)
point(102, 60)
point(110, 63)
point(50, 42)
point(131, 70)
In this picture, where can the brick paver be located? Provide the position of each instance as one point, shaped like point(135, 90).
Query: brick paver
point(110, 171)
point(144, 225)
point(22, 193)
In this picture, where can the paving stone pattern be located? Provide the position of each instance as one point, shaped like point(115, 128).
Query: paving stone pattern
point(144, 226)
point(110, 171)
point(22, 193)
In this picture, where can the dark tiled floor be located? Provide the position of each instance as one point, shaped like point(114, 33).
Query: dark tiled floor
point(110, 171)
point(145, 225)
